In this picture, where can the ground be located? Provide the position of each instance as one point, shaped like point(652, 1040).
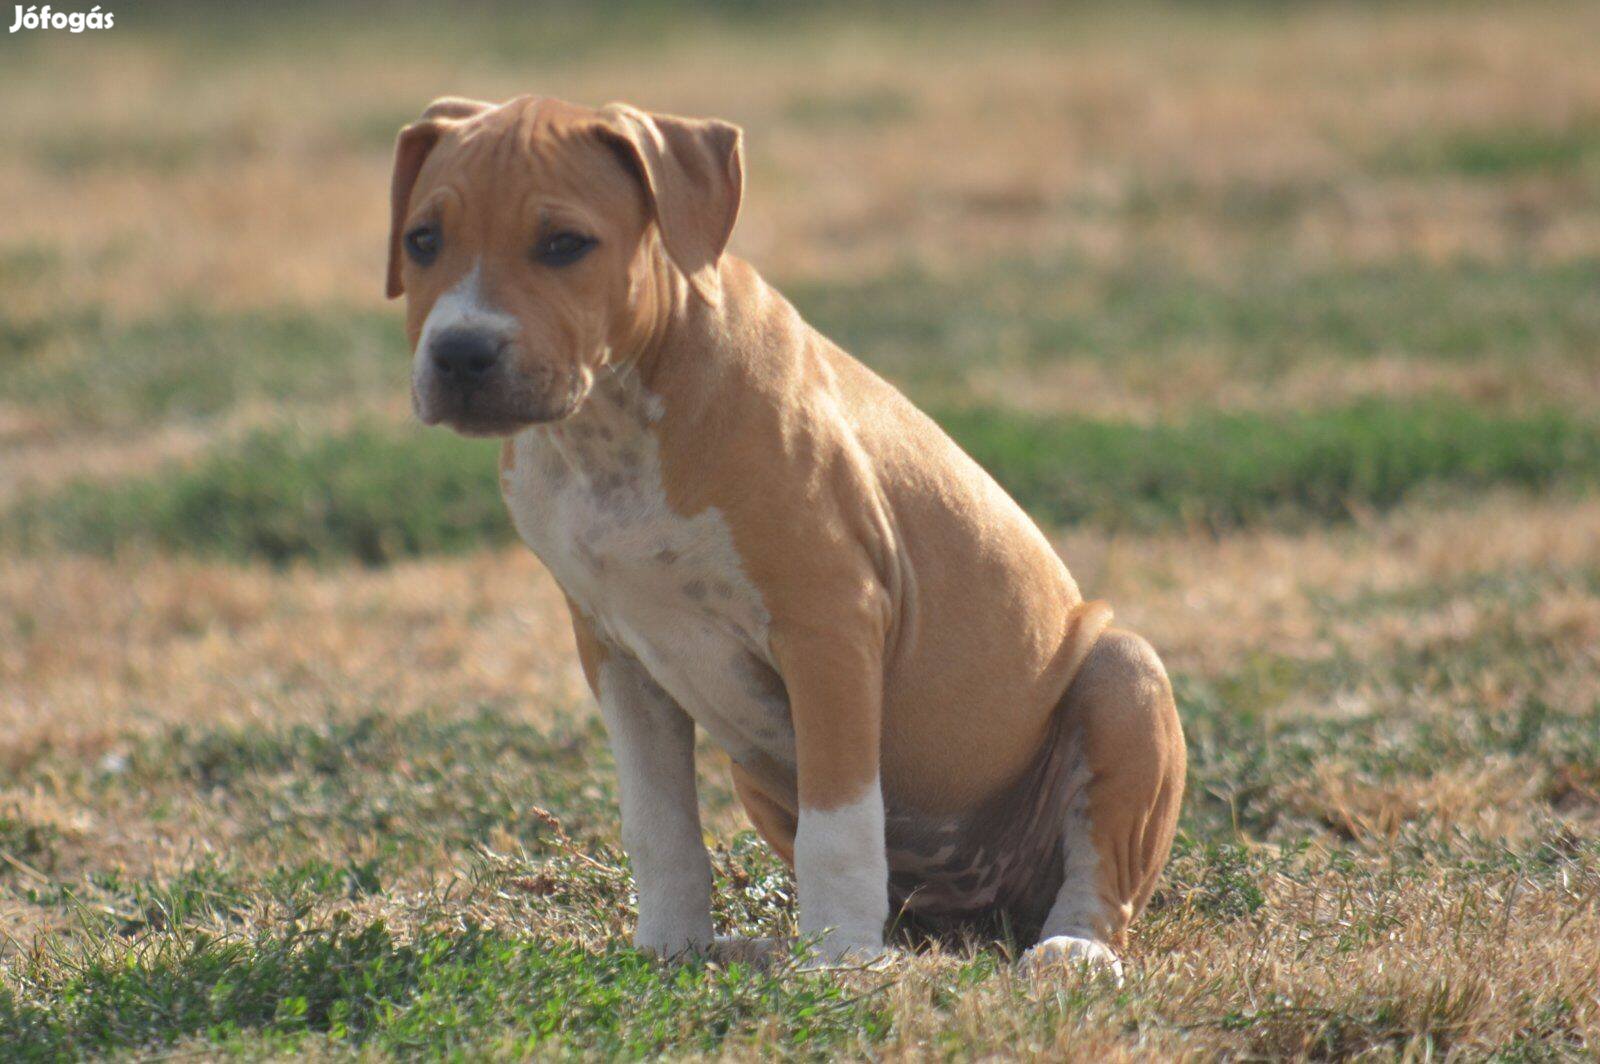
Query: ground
point(1285, 319)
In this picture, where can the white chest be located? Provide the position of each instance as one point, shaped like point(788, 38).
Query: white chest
point(587, 496)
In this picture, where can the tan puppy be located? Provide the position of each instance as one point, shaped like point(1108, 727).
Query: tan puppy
point(758, 535)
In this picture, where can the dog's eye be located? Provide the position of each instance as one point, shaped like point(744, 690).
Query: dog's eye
point(422, 244)
point(563, 249)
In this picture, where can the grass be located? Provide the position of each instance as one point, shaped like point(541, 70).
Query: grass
point(1504, 152)
point(1345, 801)
point(375, 494)
point(391, 787)
point(1387, 847)
point(511, 954)
point(339, 980)
point(191, 363)
point(1270, 317)
point(1222, 470)
point(1282, 321)
point(929, 333)
point(372, 494)
point(359, 985)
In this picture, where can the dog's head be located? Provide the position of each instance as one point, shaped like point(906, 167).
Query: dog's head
point(528, 237)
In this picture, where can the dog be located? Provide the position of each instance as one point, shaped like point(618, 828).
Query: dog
point(758, 536)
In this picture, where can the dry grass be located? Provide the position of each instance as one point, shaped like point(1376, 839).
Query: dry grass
point(1006, 135)
point(1421, 908)
point(1198, 143)
point(219, 768)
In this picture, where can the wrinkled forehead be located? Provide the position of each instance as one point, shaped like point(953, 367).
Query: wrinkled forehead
point(525, 157)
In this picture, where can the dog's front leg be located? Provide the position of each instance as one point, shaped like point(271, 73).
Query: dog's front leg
point(652, 740)
point(835, 688)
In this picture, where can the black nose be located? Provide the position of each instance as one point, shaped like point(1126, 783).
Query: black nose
point(464, 355)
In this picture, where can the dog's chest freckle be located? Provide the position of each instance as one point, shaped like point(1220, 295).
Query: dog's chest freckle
point(668, 588)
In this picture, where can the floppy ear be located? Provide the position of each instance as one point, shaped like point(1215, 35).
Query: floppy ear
point(693, 173)
point(410, 152)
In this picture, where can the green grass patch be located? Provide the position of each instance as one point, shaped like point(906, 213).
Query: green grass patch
point(193, 363)
point(402, 783)
point(27, 262)
point(440, 992)
point(378, 493)
point(1268, 318)
point(1229, 469)
point(919, 329)
point(1499, 152)
point(208, 895)
point(373, 494)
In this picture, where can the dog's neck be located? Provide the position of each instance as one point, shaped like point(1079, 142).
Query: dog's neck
point(674, 323)
point(623, 402)
point(680, 347)
point(607, 436)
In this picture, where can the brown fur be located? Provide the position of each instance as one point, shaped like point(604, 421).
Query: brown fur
point(924, 630)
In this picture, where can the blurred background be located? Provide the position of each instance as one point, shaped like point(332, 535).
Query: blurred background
point(1283, 318)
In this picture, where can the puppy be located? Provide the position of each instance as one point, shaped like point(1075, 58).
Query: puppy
point(759, 536)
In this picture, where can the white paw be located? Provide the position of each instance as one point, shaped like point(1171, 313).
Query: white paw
point(830, 951)
point(670, 942)
point(1071, 953)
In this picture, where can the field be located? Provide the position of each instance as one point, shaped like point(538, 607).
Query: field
point(1284, 319)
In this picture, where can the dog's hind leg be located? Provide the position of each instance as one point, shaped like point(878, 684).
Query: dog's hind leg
point(1121, 721)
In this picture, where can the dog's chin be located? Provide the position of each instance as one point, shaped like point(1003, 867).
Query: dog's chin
point(485, 428)
point(487, 414)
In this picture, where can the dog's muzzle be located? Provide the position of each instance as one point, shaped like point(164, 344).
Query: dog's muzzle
point(467, 379)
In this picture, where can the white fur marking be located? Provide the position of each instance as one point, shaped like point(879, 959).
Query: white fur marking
point(1077, 910)
point(1073, 930)
point(843, 873)
point(654, 746)
point(587, 495)
point(463, 305)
